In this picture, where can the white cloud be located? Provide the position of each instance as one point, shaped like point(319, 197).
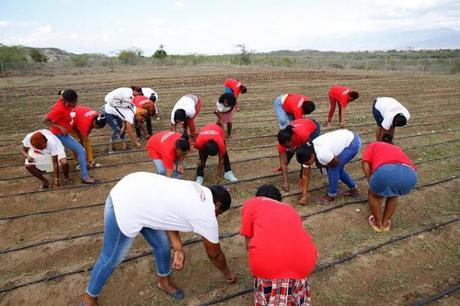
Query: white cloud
point(3, 23)
point(180, 3)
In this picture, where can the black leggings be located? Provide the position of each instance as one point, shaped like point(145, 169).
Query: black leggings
point(148, 122)
point(204, 158)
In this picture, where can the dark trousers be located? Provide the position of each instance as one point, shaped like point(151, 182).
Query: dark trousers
point(204, 158)
point(148, 122)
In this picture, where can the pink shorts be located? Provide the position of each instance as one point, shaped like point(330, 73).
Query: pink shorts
point(228, 116)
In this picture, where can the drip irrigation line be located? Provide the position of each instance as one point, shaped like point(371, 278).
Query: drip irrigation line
point(438, 296)
point(245, 138)
point(229, 183)
point(346, 259)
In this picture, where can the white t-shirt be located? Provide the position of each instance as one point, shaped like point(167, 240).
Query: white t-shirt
point(147, 92)
point(331, 144)
point(221, 108)
point(187, 103)
point(53, 143)
point(122, 93)
point(125, 114)
point(389, 108)
point(144, 199)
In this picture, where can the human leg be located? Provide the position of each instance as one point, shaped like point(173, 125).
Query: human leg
point(160, 166)
point(114, 249)
point(38, 174)
point(283, 119)
point(390, 207)
point(332, 105)
point(203, 157)
point(148, 123)
point(374, 205)
point(70, 143)
point(348, 154)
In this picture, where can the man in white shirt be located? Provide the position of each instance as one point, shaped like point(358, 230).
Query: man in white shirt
point(40, 148)
point(184, 113)
point(388, 113)
point(120, 112)
point(178, 206)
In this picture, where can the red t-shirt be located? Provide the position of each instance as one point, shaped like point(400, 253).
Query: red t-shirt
point(162, 146)
point(208, 132)
point(60, 114)
point(302, 131)
point(293, 105)
point(280, 247)
point(145, 103)
point(378, 153)
point(234, 85)
point(340, 94)
point(83, 120)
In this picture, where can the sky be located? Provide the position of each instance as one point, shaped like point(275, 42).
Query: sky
point(218, 26)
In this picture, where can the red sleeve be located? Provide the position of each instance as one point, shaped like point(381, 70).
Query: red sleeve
point(55, 114)
point(298, 113)
point(368, 153)
point(281, 149)
point(169, 158)
point(247, 220)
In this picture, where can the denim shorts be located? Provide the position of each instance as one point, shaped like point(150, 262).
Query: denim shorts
point(377, 115)
point(391, 180)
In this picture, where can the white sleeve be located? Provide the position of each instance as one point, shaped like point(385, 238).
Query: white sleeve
point(26, 141)
point(172, 114)
point(53, 146)
point(209, 229)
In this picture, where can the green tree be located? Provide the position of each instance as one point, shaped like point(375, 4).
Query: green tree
point(244, 55)
point(12, 55)
point(38, 56)
point(160, 53)
point(80, 60)
point(130, 56)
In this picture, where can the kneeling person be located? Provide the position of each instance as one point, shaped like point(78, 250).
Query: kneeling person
point(178, 206)
point(210, 141)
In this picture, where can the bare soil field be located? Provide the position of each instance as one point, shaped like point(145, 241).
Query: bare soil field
point(51, 239)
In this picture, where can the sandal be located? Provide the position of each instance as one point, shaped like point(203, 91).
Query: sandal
point(371, 221)
point(324, 200)
point(349, 193)
point(91, 182)
point(43, 187)
point(387, 228)
point(178, 295)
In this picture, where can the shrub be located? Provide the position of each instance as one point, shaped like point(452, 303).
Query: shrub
point(38, 56)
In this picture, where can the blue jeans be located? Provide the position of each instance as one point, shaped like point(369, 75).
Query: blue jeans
point(334, 174)
point(70, 143)
point(115, 124)
point(162, 170)
point(228, 90)
point(116, 246)
point(283, 118)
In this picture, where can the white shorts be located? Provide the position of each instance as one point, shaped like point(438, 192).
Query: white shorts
point(43, 161)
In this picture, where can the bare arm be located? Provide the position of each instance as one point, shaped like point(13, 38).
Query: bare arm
point(220, 168)
point(48, 122)
point(179, 255)
point(305, 180)
point(55, 170)
point(341, 116)
point(132, 135)
point(367, 169)
point(25, 153)
point(217, 257)
point(284, 165)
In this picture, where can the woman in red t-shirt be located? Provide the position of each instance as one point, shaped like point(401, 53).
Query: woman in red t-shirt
point(210, 141)
point(60, 120)
point(294, 135)
point(341, 96)
point(168, 150)
point(390, 174)
point(281, 252)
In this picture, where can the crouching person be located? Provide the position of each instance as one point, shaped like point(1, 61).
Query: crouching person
point(179, 206)
point(281, 252)
point(210, 141)
point(43, 143)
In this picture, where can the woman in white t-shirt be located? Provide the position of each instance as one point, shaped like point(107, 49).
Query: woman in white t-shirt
point(333, 151)
point(178, 206)
point(388, 114)
point(121, 118)
point(184, 113)
point(40, 148)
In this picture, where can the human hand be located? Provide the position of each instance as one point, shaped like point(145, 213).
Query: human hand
point(62, 129)
point(285, 186)
point(231, 278)
point(180, 169)
point(178, 260)
point(218, 179)
point(30, 159)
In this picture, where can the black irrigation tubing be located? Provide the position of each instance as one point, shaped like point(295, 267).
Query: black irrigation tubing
point(438, 296)
point(194, 241)
point(229, 183)
point(304, 217)
point(230, 149)
point(346, 259)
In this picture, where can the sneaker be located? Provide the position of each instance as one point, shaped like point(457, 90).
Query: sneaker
point(229, 176)
point(199, 180)
point(78, 168)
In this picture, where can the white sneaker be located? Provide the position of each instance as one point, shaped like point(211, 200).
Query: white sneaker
point(199, 180)
point(229, 176)
point(78, 168)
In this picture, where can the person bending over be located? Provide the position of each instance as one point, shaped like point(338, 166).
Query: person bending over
point(388, 114)
point(184, 113)
point(289, 107)
point(340, 96)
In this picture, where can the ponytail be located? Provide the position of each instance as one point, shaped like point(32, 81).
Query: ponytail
point(285, 135)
